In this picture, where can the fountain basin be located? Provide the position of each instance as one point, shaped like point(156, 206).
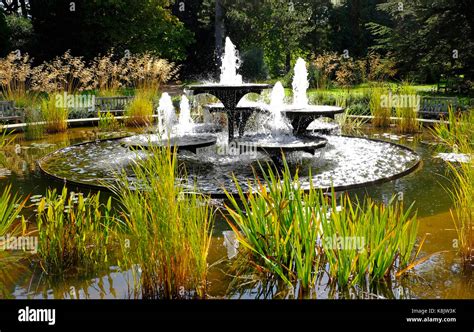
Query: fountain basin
point(186, 142)
point(282, 144)
point(301, 117)
point(345, 163)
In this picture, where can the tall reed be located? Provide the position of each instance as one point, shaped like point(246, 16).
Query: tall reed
point(381, 113)
point(55, 117)
point(73, 232)
point(463, 212)
point(407, 110)
point(279, 226)
point(10, 208)
point(456, 131)
point(140, 111)
point(294, 235)
point(457, 134)
point(167, 229)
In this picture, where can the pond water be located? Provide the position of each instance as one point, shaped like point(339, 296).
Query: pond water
point(440, 276)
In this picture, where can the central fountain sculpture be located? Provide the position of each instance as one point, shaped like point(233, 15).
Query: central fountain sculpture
point(230, 91)
point(283, 128)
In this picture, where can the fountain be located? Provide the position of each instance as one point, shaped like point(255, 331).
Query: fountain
point(343, 162)
point(185, 124)
point(301, 114)
point(230, 91)
point(178, 135)
point(300, 84)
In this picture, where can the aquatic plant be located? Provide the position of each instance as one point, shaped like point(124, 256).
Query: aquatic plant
point(350, 125)
point(381, 113)
point(365, 241)
point(140, 111)
point(108, 122)
point(294, 235)
point(457, 134)
point(73, 232)
point(407, 110)
point(463, 212)
point(35, 127)
point(456, 131)
point(166, 229)
point(10, 209)
point(279, 226)
point(55, 117)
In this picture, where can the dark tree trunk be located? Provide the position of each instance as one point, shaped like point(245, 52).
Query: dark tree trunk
point(288, 62)
point(219, 28)
point(24, 9)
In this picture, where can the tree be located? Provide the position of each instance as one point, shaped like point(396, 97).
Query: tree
point(20, 32)
point(276, 26)
point(348, 24)
point(428, 37)
point(4, 34)
point(92, 27)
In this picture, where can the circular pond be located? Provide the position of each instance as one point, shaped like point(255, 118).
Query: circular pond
point(345, 162)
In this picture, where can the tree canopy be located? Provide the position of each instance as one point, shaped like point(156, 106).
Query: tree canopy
point(424, 38)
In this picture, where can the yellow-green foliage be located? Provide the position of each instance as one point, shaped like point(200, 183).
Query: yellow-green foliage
point(140, 111)
point(458, 136)
point(55, 117)
point(168, 229)
point(457, 132)
point(406, 110)
point(73, 232)
point(10, 208)
point(379, 111)
point(108, 122)
point(463, 211)
point(293, 234)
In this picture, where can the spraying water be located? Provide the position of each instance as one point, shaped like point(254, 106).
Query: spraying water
point(166, 114)
point(277, 105)
point(230, 64)
point(185, 123)
point(300, 84)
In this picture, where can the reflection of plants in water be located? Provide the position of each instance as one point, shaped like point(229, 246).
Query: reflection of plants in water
point(167, 230)
point(78, 287)
point(295, 235)
point(73, 232)
point(5, 141)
